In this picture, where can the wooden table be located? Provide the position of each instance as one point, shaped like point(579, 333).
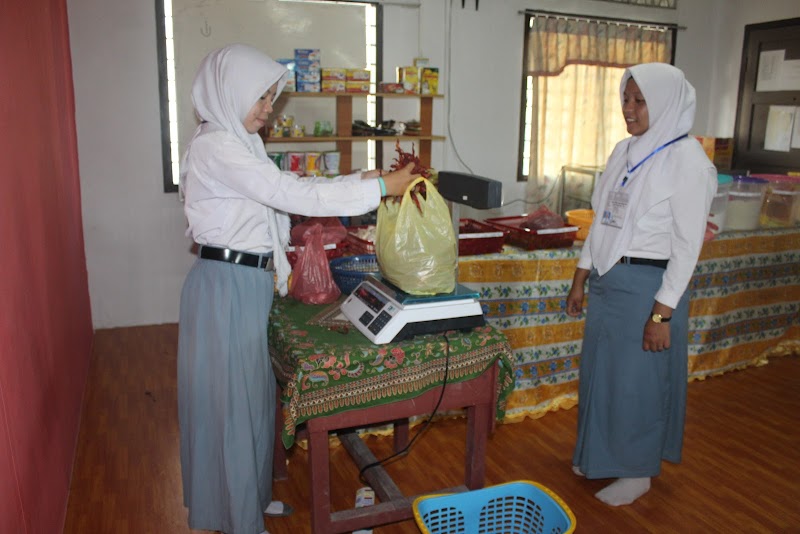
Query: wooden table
point(335, 380)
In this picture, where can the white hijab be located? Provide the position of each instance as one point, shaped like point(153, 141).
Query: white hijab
point(671, 108)
point(228, 83)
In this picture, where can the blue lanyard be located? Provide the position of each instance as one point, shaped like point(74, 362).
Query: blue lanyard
point(651, 154)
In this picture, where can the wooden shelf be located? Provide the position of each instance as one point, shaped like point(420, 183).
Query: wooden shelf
point(344, 137)
point(330, 139)
point(381, 95)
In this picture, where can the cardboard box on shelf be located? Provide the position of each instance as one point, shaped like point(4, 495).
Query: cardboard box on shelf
point(409, 77)
point(352, 86)
point(429, 81)
point(334, 86)
point(718, 149)
point(307, 53)
point(358, 75)
point(331, 73)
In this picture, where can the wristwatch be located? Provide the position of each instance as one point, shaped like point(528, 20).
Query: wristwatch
point(658, 318)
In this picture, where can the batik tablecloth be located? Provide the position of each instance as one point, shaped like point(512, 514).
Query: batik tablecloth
point(744, 307)
point(326, 366)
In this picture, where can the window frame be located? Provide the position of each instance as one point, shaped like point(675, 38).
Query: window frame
point(163, 81)
point(521, 177)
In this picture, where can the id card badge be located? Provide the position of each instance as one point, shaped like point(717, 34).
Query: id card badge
point(616, 206)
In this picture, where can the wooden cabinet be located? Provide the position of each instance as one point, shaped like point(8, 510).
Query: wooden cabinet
point(344, 137)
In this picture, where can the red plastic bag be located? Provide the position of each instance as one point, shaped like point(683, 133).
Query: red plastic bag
point(333, 231)
point(312, 281)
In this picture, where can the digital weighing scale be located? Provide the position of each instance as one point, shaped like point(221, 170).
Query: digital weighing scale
point(384, 313)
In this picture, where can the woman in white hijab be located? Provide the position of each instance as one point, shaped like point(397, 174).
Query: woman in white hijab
point(651, 206)
point(236, 202)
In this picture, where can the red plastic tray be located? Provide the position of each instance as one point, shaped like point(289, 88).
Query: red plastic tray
point(476, 237)
point(533, 239)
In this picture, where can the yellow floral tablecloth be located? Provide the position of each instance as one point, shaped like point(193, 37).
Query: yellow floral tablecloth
point(745, 307)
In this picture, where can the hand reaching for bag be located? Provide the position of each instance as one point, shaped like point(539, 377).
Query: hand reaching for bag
point(396, 181)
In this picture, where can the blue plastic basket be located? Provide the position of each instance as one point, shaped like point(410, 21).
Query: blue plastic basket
point(521, 507)
point(350, 271)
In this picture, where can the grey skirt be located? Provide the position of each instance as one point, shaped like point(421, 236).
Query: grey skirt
point(631, 403)
point(226, 396)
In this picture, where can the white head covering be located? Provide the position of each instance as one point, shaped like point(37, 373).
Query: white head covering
point(228, 83)
point(671, 106)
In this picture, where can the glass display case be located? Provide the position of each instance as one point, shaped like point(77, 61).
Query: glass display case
point(576, 187)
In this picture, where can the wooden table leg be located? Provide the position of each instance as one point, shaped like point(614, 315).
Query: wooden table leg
point(320, 480)
point(279, 469)
point(478, 425)
point(400, 434)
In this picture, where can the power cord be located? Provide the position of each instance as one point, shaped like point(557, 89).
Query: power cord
point(424, 425)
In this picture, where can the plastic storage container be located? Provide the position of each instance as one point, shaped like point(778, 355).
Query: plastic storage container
point(519, 236)
point(583, 220)
point(520, 507)
point(781, 205)
point(744, 203)
point(476, 237)
point(719, 206)
point(350, 271)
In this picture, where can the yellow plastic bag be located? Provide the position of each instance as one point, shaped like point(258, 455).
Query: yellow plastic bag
point(415, 244)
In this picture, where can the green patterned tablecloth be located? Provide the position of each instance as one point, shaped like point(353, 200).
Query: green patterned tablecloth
point(326, 366)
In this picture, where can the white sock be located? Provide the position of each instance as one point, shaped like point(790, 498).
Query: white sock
point(624, 491)
point(577, 471)
point(275, 507)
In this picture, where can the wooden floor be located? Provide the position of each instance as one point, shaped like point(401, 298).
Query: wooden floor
point(740, 472)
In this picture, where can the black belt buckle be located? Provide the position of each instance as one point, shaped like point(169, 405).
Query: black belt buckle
point(661, 264)
point(236, 257)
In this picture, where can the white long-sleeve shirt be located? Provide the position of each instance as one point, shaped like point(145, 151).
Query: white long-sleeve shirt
point(227, 189)
point(666, 218)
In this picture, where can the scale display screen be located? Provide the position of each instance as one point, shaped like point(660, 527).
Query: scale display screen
point(374, 300)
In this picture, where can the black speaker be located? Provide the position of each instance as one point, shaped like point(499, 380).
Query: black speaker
point(470, 190)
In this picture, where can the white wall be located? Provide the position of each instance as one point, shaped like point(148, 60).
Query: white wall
point(136, 251)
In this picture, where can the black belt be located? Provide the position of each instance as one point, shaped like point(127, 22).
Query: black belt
point(260, 261)
point(661, 264)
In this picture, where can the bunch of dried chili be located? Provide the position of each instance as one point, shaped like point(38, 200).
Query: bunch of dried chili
point(404, 158)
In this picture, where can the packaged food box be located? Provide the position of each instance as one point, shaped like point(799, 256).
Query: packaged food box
point(390, 87)
point(409, 77)
point(308, 87)
point(329, 73)
point(718, 149)
point(307, 64)
point(476, 237)
point(356, 87)
point(307, 76)
point(290, 65)
point(333, 86)
point(519, 236)
point(429, 81)
point(358, 75)
point(307, 53)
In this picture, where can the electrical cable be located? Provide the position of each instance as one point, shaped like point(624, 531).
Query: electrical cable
point(448, 63)
point(425, 425)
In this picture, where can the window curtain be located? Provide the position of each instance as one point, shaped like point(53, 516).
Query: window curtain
point(574, 67)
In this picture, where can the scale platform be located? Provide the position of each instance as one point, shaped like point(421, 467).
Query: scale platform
point(384, 313)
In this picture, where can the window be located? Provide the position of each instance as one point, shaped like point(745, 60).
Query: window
point(571, 107)
point(347, 33)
